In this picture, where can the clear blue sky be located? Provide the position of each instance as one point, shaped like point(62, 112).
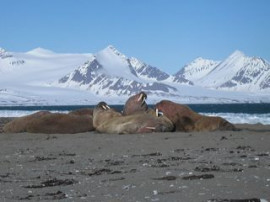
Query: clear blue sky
point(164, 33)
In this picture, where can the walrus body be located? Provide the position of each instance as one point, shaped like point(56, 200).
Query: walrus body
point(136, 123)
point(184, 119)
point(46, 122)
point(19, 125)
point(82, 112)
point(107, 120)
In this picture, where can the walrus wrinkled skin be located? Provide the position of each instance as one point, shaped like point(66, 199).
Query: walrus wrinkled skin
point(186, 120)
point(48, 123)
point(106, 120)
point(136, 103)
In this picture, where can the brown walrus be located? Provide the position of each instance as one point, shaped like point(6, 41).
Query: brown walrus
point(184, 119)
point(135, 103)
point(47, 122)
point(107, 120)
point(20, 124)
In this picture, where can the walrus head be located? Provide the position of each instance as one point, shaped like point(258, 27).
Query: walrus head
point(102, 106)
point(103, 113)
point(142, 98)
point(136, 103)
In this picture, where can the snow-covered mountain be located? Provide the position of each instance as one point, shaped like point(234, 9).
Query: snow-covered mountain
point(236, 73)
point(146, 71)
point(250, 73)
point(43, 77)
point(8, 62)
point(197, 69)
point(25, 77)
point(38, 65)
point(109, 72)
point(4, 54)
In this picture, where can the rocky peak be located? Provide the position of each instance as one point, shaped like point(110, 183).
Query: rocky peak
point(4, 54)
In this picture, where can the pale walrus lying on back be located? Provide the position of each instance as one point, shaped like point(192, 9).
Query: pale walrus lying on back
point(110, 121)
point(46, 122)
point(135, 103)
point(184, 119)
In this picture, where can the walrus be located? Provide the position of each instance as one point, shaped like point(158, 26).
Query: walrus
point(107, 120)
point(48, 123)
point(186, 120)
point(135, 103)
point(19, 125)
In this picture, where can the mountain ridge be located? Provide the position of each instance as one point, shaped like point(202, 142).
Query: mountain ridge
point(238, 72)
point(109, 74)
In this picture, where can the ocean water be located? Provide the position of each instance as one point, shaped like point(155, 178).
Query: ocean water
point(235, 113)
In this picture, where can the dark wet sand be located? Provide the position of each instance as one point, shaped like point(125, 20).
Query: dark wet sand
point(208, 166)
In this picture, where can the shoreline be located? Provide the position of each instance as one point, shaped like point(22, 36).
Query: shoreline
point(241, 126)
point(175, 166)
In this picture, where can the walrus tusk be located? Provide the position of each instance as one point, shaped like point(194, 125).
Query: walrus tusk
point(143, 100)
point(108, 107)
point(151, 128)
point(157, 112)
point(141, 96)
point(104, 107)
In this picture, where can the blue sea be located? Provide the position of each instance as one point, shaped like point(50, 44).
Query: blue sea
point(235, 113)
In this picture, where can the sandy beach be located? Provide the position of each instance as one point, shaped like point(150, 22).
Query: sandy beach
point(207, 166)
